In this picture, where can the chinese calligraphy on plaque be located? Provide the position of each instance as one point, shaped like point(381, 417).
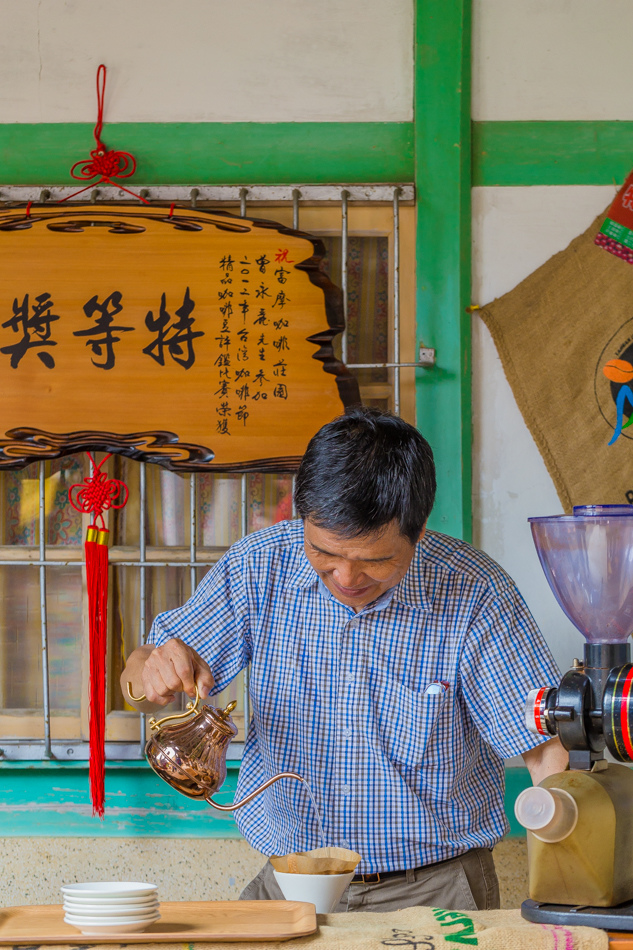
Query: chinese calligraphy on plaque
point(195, 339)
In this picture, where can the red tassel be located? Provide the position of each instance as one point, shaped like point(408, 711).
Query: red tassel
point(96, 548)
point(94, 495)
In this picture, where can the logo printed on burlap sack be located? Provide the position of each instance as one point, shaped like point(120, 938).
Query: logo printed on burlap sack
point(406, 938)
point(613, 382)
point(451, 918)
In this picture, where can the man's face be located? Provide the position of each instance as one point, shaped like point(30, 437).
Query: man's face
point(358, 570)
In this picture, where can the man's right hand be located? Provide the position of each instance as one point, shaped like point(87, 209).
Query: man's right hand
point(161, 672)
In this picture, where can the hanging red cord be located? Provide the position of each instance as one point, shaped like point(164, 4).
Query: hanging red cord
point(96, 494)
point(102, 162)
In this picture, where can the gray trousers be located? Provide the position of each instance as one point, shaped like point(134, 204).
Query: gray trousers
point(467, 882)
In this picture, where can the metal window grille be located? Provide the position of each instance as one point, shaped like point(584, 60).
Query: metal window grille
point(342, 195)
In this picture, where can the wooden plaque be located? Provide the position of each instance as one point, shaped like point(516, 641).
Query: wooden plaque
point(195, 339)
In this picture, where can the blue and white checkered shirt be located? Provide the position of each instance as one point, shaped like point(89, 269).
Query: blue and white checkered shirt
point(398, 717)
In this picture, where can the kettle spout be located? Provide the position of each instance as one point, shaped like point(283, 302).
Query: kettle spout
point(258, 791)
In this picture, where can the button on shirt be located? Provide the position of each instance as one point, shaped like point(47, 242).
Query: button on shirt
point(398, 717)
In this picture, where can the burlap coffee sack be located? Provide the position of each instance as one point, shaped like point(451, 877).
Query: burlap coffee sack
point(555, 332)
point(423, 928)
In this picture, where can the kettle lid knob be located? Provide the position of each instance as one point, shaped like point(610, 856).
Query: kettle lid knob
point(226, 712)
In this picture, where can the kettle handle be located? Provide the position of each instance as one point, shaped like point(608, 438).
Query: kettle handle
point(192, 707)
point(155, 724)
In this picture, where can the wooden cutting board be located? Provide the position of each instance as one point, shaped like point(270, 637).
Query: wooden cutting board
point(181, 922)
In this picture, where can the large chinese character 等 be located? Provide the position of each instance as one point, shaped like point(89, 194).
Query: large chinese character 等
point(36, 329)
point(178, 336)
point(102, 333)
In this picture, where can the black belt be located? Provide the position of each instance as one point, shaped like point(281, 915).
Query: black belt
point(377, 877)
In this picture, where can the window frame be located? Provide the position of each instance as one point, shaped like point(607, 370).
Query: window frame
point(361, 211)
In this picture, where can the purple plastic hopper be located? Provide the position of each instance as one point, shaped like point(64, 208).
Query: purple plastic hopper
point(588, 560)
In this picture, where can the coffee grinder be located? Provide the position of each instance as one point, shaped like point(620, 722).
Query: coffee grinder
point(580, 822)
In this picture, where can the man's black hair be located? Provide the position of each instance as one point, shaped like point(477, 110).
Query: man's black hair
point(364, 470)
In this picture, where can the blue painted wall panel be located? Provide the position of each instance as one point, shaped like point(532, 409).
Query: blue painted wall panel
point(50, 799)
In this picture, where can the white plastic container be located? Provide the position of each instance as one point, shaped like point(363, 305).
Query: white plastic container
point(551, 814)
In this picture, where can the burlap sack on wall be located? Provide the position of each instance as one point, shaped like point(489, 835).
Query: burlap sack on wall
point(555, 332)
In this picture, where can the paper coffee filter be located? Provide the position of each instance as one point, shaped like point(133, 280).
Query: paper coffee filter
point(318, 861)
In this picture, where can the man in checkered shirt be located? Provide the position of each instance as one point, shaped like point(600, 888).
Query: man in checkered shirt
point(389, 666)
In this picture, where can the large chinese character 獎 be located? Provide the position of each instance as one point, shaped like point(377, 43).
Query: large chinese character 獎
point(102, 333)
point(178, 336)
point(36, 329)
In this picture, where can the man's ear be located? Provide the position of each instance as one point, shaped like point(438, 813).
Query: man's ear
point(422, 533)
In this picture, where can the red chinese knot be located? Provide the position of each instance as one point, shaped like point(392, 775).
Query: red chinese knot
point(97, 493)
point(103, 163)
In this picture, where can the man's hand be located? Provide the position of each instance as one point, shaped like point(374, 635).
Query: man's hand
point(546, 759)
point(161, 672)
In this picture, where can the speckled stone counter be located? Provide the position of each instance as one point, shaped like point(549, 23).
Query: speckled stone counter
point(33, 869)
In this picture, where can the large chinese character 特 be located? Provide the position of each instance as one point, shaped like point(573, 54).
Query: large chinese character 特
point(178, 337)
point(36, 329)
point(103, 331)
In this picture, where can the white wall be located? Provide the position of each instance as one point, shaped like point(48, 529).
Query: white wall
point(207, 60)
point(515, 230)
point(351, 60)
point(551, 60)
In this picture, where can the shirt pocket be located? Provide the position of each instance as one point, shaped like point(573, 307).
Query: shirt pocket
point(407, 720)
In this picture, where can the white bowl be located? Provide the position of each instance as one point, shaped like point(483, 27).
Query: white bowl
point(124, 926)
point(322, 890)
point(81, 900)
point(111, 919)
point(98, 910)
point(109, 889)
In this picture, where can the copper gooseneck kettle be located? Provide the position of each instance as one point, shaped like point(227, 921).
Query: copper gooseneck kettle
point(190, 755)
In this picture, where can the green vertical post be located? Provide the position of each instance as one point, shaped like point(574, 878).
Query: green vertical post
point(443, 181)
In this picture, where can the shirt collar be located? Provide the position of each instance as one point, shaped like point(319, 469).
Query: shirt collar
point(411, 591)
point(304, 575)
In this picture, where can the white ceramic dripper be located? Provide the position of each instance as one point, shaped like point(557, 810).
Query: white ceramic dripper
point(322, 890)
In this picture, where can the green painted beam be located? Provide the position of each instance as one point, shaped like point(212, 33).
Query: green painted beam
point(552, 153)
point(517, 779)
point(50, 799)
point(503, 153)
point(443, 179)
point(229, 153)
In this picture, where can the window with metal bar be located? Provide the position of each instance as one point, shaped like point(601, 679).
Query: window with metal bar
point(175, 527)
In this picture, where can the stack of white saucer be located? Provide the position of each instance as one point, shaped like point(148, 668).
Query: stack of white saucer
point(109, 907)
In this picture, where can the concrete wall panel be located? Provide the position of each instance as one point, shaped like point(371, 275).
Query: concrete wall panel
point(207, 60)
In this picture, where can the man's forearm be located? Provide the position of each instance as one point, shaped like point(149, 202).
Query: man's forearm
point(546, 759)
